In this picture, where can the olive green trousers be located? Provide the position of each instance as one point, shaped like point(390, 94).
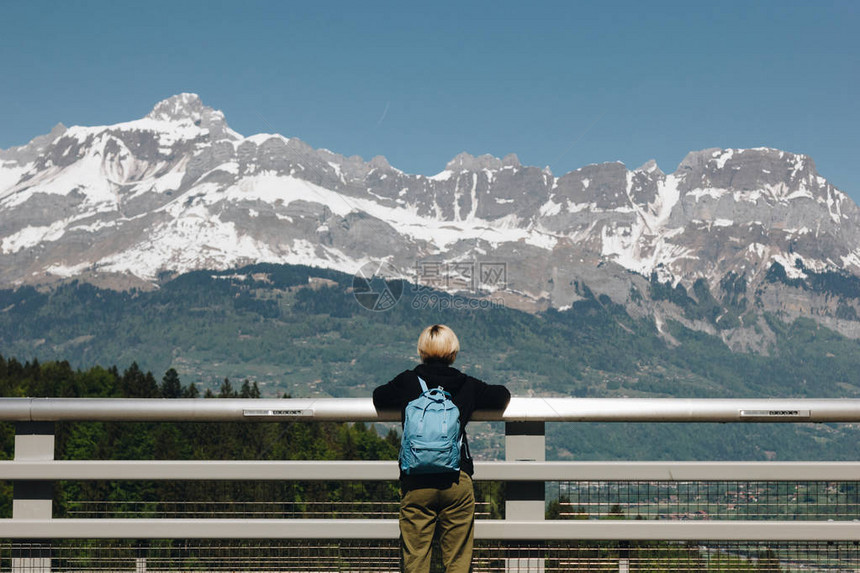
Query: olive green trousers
point(448, 511)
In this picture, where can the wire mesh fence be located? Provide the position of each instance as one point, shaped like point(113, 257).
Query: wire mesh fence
point(667, 556)
point(593, 500)
point(382, 556)
point(748, 500)
point(243, 509)
point(694, 500)
point(233, 509)
point(245, 499)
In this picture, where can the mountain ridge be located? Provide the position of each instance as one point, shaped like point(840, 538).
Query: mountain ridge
point(179, 190)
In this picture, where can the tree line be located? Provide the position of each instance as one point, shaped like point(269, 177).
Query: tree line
point(191, 441)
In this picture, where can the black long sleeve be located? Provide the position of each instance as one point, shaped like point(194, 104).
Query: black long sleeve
point(467, 393)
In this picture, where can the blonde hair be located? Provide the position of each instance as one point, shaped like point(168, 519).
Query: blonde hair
point(438, 342)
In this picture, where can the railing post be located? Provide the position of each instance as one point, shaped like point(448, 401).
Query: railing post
point(525, 441)
point(624, 557)
point(32, 499)
point(524, 500)
point(140, 560)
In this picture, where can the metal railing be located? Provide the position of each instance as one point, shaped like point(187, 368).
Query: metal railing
point(362, 410)
point(525, 472)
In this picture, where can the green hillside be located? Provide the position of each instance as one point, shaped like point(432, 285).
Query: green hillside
point(298, 330)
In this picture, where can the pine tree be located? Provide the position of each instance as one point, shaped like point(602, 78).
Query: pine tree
point(136, 384)
point(227, 390)
point(171, 387)
point(245, 392)
point(191, 391)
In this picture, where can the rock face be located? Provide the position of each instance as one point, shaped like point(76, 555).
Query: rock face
point(179, 190)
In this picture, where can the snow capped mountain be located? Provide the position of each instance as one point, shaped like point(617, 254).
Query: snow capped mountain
point(178, 190)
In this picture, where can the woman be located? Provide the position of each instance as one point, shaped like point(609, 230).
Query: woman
point(440, 500)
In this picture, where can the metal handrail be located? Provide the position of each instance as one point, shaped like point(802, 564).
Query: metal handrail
point(358, 470)
point(362, 410)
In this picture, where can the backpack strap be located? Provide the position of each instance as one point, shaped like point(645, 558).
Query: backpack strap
point(423, 384)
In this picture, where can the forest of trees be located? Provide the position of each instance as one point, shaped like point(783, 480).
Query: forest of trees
point(189, 441)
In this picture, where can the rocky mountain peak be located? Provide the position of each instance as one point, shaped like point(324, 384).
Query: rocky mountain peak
point(37, 145)
point(650, 167)
point(57, 131)
point(511, 160)
point(749, 171)
point(698, 159)
point(178, 107)
point(466, 162)
point(188, 107)
point(379, 162)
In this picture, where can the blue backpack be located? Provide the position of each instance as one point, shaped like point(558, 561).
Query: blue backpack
point(431, 433)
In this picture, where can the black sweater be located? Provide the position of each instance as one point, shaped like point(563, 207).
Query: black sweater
point(467, 393)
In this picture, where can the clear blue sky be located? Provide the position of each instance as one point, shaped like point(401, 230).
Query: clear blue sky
point(561, 84)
